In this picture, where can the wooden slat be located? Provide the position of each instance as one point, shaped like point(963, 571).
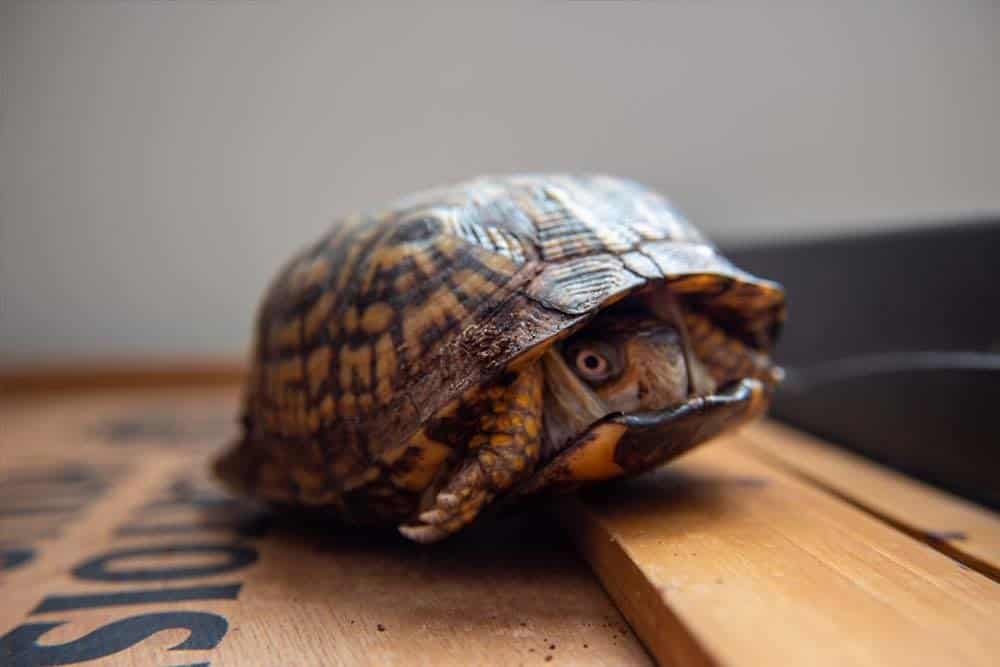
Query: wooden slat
point(509, 593)
point(16, 381)
point(964, 530)
point(721, 558)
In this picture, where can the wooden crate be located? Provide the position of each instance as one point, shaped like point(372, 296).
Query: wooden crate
point(767, 547)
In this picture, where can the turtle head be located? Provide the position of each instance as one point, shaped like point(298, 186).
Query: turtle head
point(635, 363)
point(629, 391)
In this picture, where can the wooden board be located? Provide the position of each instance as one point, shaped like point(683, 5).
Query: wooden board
point(721, 558)
point(966, 531)
point(19, 381)
point(119, 552)
point(768, 547)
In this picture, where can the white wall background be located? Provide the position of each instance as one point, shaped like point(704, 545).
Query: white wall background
point(158, 160)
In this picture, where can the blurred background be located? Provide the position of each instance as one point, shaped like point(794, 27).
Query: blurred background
point(159, 160)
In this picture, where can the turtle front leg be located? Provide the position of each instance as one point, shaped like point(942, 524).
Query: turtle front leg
point(502, 453)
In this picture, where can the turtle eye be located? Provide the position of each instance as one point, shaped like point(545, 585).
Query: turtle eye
point(591, 364)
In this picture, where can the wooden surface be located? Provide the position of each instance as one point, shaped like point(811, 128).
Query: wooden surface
point(722, 558)
point(18, 381)
point(767, 547)
point(966, 531)
point(91, 477)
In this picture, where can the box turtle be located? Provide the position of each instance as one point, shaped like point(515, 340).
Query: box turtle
point(486, 341)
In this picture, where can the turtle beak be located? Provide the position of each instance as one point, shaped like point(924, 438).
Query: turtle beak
point(627, 444)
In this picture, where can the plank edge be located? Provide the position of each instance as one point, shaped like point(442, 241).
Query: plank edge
point(661, 631)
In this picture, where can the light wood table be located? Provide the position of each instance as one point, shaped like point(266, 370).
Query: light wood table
point(767, 547)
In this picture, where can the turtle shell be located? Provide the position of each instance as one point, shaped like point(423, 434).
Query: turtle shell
point(394, 314)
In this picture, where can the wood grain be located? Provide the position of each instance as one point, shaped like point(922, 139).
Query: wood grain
point(132, 465)
point(758, 567)
point(963, 530)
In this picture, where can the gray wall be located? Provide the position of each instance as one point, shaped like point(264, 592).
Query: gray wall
point(158, 160)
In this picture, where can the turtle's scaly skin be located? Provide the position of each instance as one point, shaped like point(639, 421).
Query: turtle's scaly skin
point(383, 351)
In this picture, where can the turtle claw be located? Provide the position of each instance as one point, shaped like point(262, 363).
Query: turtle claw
point(423, 534)
point(434, 516)
point(449, 513)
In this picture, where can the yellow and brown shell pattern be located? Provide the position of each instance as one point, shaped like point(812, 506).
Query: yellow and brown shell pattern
point(380, 348)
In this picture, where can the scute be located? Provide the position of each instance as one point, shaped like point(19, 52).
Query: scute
point(391, 316)
point(578, 286)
